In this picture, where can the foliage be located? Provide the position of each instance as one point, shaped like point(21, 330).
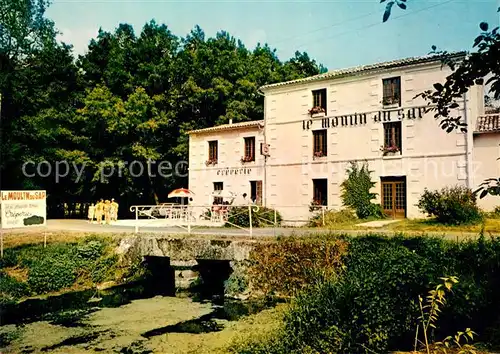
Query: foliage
point(58, 266)
point(290, 265)
point(389, 5)
point(332, 218)
point(373, 306)
point(495, 214)
point(51, 274)
point(11, 289)
point(261, 216)
point(356, 191)
point(451, 205)
point(237, 282)
point(130, 97)
point(435, 301)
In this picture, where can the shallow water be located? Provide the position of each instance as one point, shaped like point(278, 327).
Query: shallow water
point(123, 319)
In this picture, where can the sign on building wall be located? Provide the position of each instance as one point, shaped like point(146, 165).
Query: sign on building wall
point(23, 209)
point(359, 119)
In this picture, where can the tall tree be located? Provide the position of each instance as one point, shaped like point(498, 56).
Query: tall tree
point(130, 98)
point(36, 73)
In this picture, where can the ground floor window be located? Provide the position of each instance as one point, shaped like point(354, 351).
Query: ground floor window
point(394, 196)
point(320, 191)
point(218, 186)
point(256, 192)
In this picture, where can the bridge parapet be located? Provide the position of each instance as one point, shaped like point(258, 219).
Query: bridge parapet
point(187, 249)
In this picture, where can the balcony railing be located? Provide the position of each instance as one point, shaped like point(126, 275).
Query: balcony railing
point(488, 123)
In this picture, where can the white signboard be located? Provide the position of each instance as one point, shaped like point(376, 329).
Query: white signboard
point(23, 209)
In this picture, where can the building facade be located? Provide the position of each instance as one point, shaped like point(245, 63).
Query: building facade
point(313, 128)
point(227, 158)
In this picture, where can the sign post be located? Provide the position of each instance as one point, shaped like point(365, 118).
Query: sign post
point(21, 209)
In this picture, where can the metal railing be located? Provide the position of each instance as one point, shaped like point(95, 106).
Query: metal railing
point(243, 217)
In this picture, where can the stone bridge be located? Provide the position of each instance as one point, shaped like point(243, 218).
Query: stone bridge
point(190, 258)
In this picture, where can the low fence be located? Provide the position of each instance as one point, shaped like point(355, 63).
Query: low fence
point(244, 217)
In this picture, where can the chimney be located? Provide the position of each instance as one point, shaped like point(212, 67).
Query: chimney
point(230, 120)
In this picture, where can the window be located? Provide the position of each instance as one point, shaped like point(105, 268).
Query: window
point(392, 91)
point(212, 150)
point(392, 137)
point(319, 98)
point(250, 149)
point(256, 192)
point(319, 142)
point(218, 186)
point(320, 191)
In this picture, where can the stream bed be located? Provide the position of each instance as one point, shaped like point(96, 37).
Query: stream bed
point(123, 319)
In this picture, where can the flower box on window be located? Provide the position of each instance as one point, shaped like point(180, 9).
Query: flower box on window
point(389, 150)
point(391, 100)
point(319, 154)
point(211, 162)
point(247, 159)
point(317, 111)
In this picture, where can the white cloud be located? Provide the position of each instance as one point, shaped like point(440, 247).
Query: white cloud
point(79, 38)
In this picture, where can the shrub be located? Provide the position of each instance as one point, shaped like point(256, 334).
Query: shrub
point(261, 216)
point(90, 250)
point(11, 289)
point(51, 274)
point(495, 214)
point(451, 205)
point(356, 191)
point(104, 268)
point(373, 306)
point(292, 264)
point(332, 218)
point(61, 265)
point(237, 283)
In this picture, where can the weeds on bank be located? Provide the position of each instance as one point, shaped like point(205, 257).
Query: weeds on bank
point(429, 311)
point(30, 270)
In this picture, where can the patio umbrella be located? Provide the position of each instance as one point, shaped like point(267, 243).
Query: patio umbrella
point(180, 193)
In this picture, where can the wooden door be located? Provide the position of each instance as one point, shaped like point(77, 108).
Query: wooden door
point(394, 198)
point(259, 193)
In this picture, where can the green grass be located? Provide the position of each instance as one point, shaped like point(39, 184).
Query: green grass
point(430, 225)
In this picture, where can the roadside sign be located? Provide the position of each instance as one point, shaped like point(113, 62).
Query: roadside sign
point(19, 209)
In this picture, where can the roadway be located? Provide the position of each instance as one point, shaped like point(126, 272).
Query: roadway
point(82, 226)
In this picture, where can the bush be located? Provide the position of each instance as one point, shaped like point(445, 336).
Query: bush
point(262, 217)
point(291, 264)
point(373, 306)
point(453, 205)
point(332, 218)
point(495, 214)
point(59, 266)
point(356, 191)
point(237, 283)
point(11, 289)
point(51, 274)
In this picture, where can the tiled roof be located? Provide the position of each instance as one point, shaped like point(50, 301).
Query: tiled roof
point(250, 124)
point(488, 123)
point(364, 68)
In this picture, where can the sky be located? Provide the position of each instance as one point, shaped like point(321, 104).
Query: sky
point(336, 33)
